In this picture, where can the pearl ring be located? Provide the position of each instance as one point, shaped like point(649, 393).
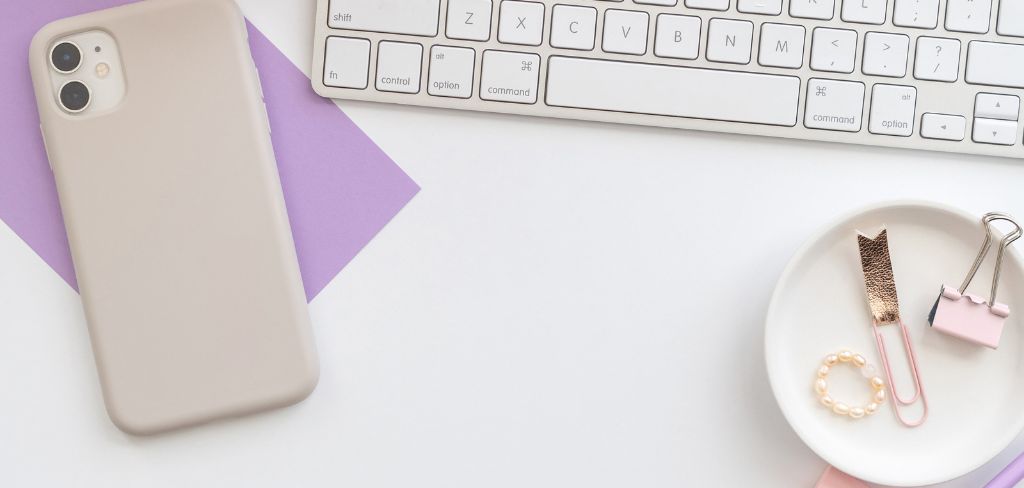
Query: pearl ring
point(868, 371)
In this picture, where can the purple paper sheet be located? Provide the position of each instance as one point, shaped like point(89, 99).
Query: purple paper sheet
point(340, 188)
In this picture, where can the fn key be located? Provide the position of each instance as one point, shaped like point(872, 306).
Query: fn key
point(347, 62)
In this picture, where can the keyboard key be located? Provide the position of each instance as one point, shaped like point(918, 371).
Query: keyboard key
point(412, 17)
point(893, 110)
point(865, 11)
point(347, 62)
point(833, 50)
point(813, 9)
point(677, 36)
point(469, 20)
point(398, 67)
point(573, 27)
point(625, 32)
point(993, 63)
point(673, 91)
point(666, 3)
point(968, 15)
point(943, 127)
point(885, 54)
point(937, 59)
point(999, 132)
point(509, 77)
point(451, 72)
point(834, 105)
point(708, 4)
point(521, 23)
point(1011, 18)
point(991, 106)
point(729, 41)
point(782, 46)
point(763, 7)
point(922, 14)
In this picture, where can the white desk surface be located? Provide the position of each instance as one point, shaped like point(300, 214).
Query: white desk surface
point(564, 304)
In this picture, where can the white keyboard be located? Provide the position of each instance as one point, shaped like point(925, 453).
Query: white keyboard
point(943, 75)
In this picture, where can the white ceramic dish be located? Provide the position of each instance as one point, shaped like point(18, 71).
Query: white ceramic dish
point(819, 306)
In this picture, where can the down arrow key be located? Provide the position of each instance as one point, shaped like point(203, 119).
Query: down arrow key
point(992, 131)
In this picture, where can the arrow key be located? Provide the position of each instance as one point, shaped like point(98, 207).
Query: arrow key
point(944, 127)
point(991, 106)
point(991, 131)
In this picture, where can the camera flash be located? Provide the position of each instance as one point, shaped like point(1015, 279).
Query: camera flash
point(102, 70)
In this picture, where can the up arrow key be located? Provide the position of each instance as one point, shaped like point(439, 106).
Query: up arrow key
point(993, 106)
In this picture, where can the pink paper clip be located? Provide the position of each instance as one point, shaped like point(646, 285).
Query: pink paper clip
point(885, 311)
point(970, 317)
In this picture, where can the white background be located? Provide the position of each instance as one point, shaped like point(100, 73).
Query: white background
point(564, 304)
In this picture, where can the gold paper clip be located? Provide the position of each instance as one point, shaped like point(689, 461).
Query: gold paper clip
point(885, 311)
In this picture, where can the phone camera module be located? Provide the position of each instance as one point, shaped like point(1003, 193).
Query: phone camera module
point(66, 57)
point(74, 96)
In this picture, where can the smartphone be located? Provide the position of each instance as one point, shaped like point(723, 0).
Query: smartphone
point(155, 128)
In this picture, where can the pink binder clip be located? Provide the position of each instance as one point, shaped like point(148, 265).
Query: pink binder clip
point(970, 317)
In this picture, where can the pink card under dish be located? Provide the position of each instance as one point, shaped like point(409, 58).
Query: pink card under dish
point(340, 188)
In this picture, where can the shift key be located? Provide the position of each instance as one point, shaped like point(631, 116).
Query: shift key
point(834, 105)
point(412, 17)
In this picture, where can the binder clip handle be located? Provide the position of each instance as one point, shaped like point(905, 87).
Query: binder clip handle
point(1008, 239)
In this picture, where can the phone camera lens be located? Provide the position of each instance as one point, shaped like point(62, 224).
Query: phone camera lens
point(74, 96)
point(66, 57)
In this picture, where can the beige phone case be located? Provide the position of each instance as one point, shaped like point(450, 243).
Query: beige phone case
point(177, 222)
